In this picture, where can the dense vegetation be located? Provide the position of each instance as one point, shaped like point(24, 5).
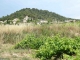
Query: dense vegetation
point(48, 41)
point(43, 40)
point(48, 47)
point(35, 14)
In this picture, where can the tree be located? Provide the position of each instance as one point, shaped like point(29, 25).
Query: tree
point(35, 14)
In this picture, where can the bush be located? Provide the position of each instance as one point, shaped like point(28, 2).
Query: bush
point(56, 46)
point(48, 47)
point(30, 41)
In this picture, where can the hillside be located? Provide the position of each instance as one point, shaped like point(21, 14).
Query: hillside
point(35, 14)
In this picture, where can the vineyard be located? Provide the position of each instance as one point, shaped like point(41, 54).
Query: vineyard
point(48, 47)
point(41, 42)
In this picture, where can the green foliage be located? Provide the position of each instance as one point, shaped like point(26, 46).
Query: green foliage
point(31, 41)
point(48, 47)
point(35, 14)
point(57, 46)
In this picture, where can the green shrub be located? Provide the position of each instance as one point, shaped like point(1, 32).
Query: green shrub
point(57, 46)
point(30, 41)
point(48, 47)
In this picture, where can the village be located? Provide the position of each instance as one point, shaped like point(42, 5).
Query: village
point(17, 21)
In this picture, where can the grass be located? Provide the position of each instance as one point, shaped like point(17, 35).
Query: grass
point(15, 33)
point(6, 52)
point(12, 34)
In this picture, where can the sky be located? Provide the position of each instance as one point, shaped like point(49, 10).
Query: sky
point(67, 8)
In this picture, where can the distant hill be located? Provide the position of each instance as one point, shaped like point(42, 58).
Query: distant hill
point(34, 13)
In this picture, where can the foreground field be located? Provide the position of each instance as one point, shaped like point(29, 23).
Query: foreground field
point(11, 35)
point(7, 53)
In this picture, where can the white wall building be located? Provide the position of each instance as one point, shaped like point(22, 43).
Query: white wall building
point(25, 19)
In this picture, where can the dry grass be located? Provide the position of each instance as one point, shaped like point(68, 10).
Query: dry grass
point(69, 29)
point(15, 33)
point(12, 34)
point(7, 53)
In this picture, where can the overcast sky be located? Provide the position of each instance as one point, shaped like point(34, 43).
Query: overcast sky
point(67, 8)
